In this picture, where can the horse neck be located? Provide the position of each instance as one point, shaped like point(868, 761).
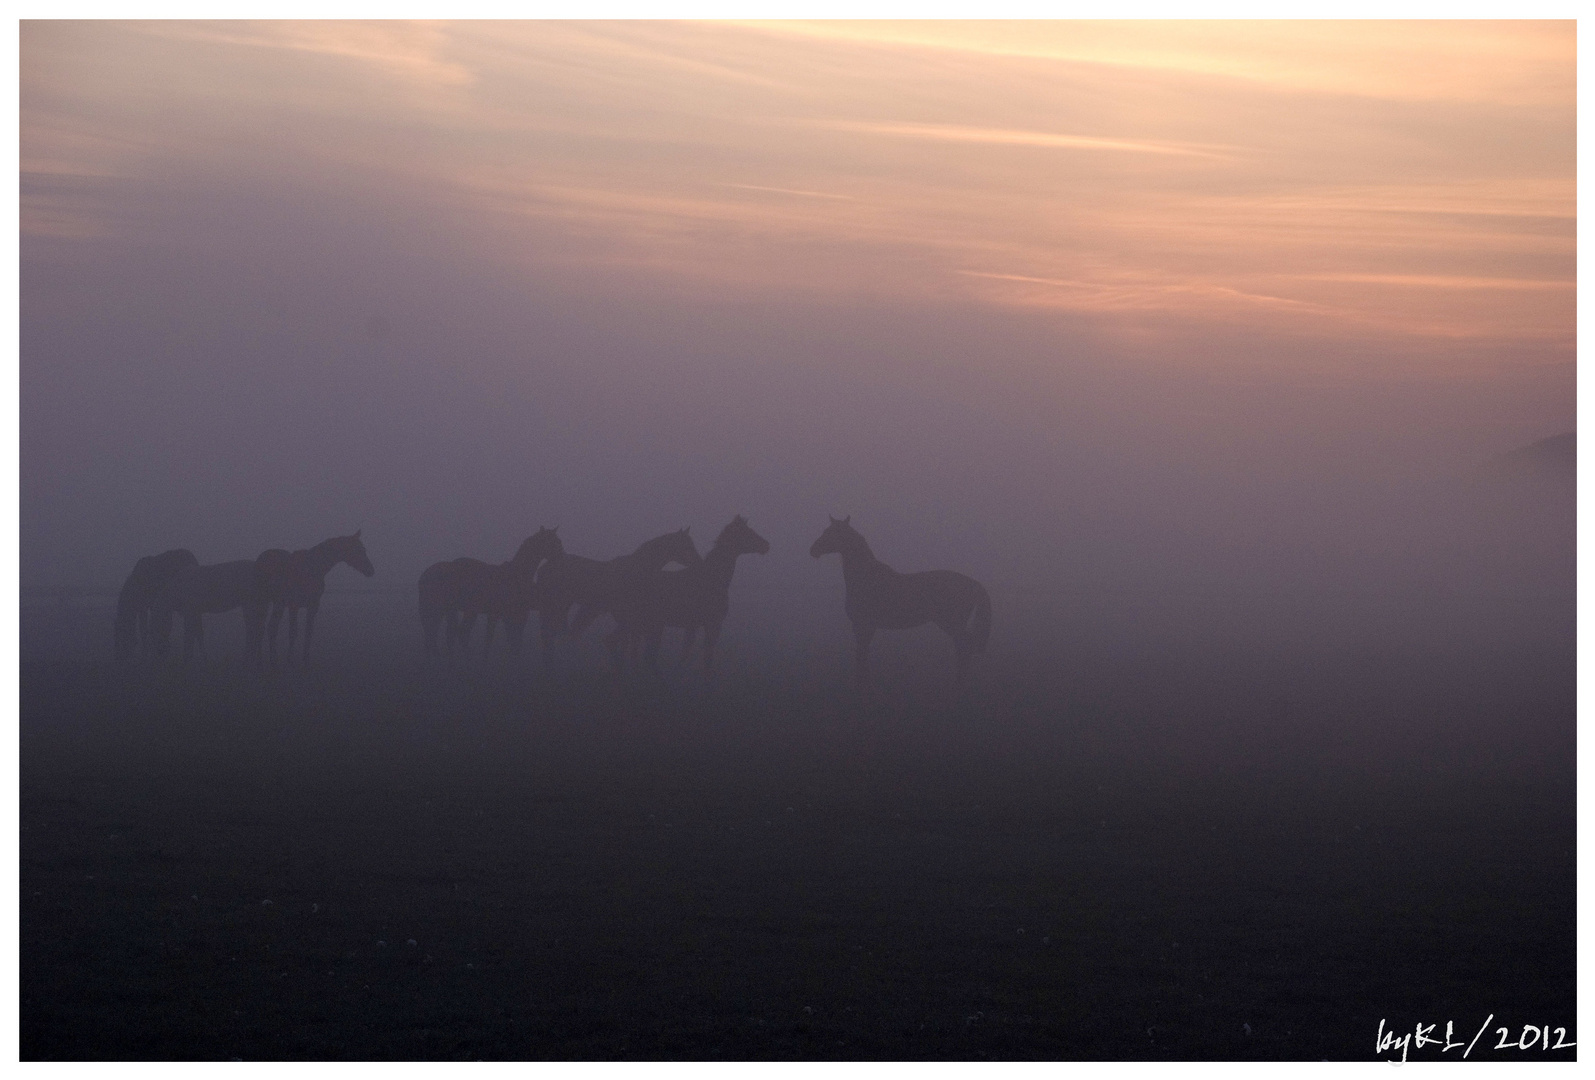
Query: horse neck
point(320, 560)
point(650, 557)
point(858, 560)
point(719, 565)
point(527, 562)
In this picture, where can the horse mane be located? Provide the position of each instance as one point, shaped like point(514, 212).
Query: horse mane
point(322, 548)
point(857, 538)
point(725, 533)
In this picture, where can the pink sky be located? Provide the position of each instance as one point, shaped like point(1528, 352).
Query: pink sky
point(1140, 282)
point(1369, 180)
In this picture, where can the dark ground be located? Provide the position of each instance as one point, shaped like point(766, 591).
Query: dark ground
point(1189, 851)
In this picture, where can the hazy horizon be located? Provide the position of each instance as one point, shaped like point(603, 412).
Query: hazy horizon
point(1063, 305)
point(1221, 356)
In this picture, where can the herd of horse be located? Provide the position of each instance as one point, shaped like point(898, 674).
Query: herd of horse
point(569, 593)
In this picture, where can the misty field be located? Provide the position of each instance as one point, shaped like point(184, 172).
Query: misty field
point(1189, 851)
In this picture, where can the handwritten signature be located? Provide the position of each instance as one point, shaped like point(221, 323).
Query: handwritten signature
point(1422, 1035)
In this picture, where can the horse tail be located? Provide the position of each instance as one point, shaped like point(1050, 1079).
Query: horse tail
point(981, 628)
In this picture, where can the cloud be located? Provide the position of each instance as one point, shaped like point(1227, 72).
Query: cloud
point(1003, 137)
point(715, 156)
point(1528, 62)
point(409, 51)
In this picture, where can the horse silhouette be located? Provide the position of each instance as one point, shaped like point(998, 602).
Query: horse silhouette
point(453, 594)
point(596, 585)
point(135, 603)
point(292, 581)
point(695, 598)
point(880, 598)
point(196, 591)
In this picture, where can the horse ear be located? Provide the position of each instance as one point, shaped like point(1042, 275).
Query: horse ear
point(833, 520)
point(357, 533)
point(847, 519)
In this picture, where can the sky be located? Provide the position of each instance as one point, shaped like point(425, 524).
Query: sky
point(1089, 305)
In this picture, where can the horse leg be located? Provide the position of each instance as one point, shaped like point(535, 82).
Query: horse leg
point(963, 647)
point(584, 617)
point(293, 634)
point(711, 634)
point(688, 636)
point(619, 643)
point(655, 636)
point(862, 633)
point(429, 633)
point(271, 635)
point(254, 618)
point(487, 635)
point(310, 626)
point(160, 633)
point(545, 636)
point(550, 621)
point(193, 632)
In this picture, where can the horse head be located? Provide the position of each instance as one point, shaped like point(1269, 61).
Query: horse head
point(838, 537)
point(677, 547)
point(741, 539)
point(353, 552)
point(541, 545)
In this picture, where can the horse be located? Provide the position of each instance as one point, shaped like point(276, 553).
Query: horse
point(455, 593)
point(692, 599)
point(293, 580)
point(440, 588)
point(196, 591)
point(879, 597)
point(135, 604)
point(568, 580)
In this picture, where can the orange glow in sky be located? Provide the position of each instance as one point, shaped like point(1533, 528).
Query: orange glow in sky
point(1393, 180)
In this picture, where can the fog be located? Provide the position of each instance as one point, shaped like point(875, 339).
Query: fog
point(283, 280)
point(283, 374)
point(1230, 381)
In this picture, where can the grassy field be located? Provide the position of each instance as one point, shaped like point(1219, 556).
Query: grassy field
point(1201, 851)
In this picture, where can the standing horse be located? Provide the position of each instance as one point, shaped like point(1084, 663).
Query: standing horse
point(878, 597)
point(196, 591)
point(454, 593)
point(291, 580)
point(596, 584)
point(694, 598)
point(134, 629)
point(440, 588)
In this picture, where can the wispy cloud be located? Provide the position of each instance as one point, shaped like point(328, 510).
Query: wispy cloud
point(768, 159)
point(1438, 281)
point(410, 50)
point(1010, 137)
point(788, 191)
point(1522, 62)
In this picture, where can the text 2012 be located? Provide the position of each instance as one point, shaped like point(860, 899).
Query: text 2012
point(1532, 1037)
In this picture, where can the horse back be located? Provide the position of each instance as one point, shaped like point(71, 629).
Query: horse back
point(897, 601)
point(678, 598)
point(209, 590)
point(580, 577)
point(152, 572)
point(285, 577)
point(497, 589)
